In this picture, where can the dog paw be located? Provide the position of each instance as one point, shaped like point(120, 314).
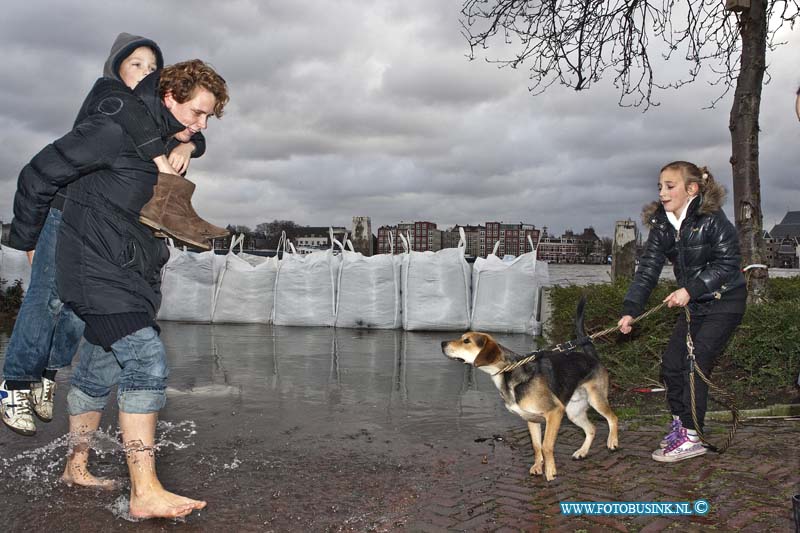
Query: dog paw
point(580, 454)
point(549, 474)
point(612, 444)
point(536, 469)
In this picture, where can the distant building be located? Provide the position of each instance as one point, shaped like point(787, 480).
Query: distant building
point(6, 231)
point(474, 236)
point(362, 235)
point(513, 238)
point(422, 237)
point(783, 242)
point(307, 239)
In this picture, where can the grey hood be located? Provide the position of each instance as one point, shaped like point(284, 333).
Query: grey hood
point(123, 46)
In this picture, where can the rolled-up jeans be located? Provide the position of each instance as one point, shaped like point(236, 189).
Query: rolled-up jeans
point(46, 333)
point(137, 364)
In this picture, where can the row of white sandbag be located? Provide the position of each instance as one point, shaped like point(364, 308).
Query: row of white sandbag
point(412, 290)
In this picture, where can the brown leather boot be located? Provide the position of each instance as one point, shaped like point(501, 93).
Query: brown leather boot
point(170, 211)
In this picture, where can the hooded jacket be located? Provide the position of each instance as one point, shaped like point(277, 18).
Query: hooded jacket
point(110, 96)
point(108, 263)
point(704, 253)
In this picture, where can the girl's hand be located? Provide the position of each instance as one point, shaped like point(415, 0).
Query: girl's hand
point(180, 156)
point(678, 298)
point(625, 324)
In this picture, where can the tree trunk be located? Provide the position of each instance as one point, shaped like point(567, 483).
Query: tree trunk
point(744, 143)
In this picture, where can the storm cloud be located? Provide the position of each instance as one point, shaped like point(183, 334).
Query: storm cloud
point(372, 108)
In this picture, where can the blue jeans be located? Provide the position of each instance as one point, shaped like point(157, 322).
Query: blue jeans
point(137, 363)
point(46, 333)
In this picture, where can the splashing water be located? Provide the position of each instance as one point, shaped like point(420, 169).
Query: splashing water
point(38, 469)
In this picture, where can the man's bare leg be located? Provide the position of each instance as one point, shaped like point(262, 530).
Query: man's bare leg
point(149, 499)
point(76, 471)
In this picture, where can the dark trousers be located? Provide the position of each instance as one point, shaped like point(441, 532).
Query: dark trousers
point(710, 334)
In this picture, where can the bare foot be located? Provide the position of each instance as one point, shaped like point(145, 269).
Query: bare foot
point(79, 475)
point(160, 503)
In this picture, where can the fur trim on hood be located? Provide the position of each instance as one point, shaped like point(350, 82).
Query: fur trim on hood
point(710, 202)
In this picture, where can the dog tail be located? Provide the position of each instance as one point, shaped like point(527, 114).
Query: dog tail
point(580, 330)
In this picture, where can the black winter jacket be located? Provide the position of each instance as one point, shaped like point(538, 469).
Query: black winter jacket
point(108, 263)
point(705, 257)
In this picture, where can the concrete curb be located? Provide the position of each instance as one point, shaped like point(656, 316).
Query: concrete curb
point(778, 410)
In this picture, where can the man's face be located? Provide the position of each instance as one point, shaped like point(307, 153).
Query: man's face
point(193, 113)
point(136, 66)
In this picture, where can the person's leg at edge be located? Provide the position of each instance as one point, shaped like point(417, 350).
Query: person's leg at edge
point(141, 394)
point(29, 345)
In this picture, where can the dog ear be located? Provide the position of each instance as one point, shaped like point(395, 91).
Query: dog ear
point(489, 354)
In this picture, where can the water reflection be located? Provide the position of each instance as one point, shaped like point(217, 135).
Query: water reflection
point(391, 378)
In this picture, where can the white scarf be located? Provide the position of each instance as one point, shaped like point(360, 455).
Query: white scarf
point(675, 221)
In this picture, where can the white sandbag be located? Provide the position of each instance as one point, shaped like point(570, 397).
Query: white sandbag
point(188, 283)
point(305, 288)
point(369, 291)
point(14, 266)
point(436, 289)
point(505, 295)
point(245, 287)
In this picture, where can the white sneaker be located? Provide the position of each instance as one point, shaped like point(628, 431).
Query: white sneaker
point(684, 447)
point(42, 395)
point(15, 408)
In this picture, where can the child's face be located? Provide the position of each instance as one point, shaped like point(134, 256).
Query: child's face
point(136, 66)
point(672, 191)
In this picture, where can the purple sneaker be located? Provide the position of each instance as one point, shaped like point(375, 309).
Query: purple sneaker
point(684, 447)
point(675, 428)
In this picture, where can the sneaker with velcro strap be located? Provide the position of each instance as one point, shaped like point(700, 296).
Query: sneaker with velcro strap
point(15, 408)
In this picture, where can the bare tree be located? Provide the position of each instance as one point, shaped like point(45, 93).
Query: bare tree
point(576, 42)
point(272, 231)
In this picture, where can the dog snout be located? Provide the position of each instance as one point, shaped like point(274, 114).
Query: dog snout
point(444, 344)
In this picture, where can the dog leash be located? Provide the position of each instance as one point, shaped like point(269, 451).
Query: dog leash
point(571, 345)
point(724, 398)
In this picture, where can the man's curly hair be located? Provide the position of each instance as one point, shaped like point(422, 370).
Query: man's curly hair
point(182, 79)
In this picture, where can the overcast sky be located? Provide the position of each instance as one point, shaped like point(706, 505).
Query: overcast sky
point(343, 108)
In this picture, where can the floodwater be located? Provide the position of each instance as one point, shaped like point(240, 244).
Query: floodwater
point(278, 428)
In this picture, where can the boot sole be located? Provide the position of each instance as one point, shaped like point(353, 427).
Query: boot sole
point(147, 222)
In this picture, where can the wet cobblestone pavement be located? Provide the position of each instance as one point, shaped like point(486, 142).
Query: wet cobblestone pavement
point(313, 429)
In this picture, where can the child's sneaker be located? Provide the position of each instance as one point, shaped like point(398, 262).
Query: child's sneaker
point(684, 447)
point(42, 395)
point(674, 432)
point(15, 409)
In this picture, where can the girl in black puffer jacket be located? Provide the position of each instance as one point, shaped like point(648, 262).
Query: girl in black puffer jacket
point(688, 227)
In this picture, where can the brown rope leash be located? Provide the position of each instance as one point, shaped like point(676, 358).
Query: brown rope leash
point(567, 346)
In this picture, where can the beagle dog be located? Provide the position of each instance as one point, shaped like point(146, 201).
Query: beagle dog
point(543, 390)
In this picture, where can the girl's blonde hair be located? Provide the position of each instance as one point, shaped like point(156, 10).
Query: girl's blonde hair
point(691, 173)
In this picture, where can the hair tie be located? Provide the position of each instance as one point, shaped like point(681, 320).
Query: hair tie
point(705, 176)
